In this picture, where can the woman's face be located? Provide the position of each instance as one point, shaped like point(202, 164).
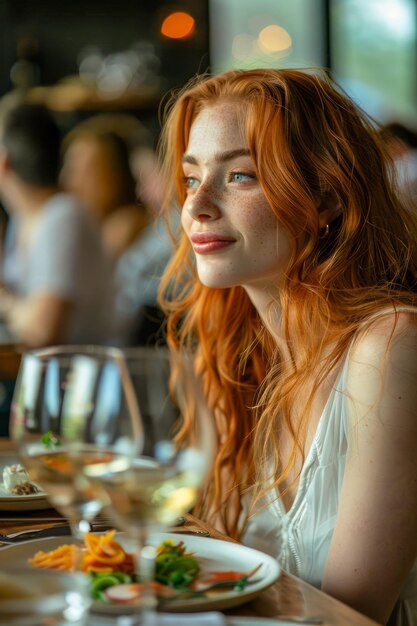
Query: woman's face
point(236, 237)
point(88, 175)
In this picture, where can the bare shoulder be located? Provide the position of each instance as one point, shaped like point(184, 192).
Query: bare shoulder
point(382, 375)
point(384, 336)
point(378, 500)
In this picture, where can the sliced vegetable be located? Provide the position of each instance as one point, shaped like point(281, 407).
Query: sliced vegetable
point(232, 579)
point(125, 593)
point(104, 548)
point(130, 593)
point(174, 567)
point(101, 583)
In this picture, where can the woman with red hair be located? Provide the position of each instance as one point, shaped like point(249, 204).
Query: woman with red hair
point(294, 285)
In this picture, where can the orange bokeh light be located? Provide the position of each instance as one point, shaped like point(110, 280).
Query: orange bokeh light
point(178, 25)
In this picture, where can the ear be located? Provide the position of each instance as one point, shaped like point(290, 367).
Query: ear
point(329, 209)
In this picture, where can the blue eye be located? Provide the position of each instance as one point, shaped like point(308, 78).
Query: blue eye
point(239, 177)
point(190, 182)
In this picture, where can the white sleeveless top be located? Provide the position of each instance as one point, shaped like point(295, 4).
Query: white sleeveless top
point(300, 538)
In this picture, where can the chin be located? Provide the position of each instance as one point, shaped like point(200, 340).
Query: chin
point(217, 283)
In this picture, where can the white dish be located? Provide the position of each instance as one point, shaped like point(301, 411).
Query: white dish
point(213, 554)
point(12, 502)
point(255, 621)
point(30, 502)
point(98, 620)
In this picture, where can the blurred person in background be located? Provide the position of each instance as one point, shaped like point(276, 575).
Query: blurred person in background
point(57, 279)
point(401, 144)
point(96, 168)
point(110, 164)
point(140, 268)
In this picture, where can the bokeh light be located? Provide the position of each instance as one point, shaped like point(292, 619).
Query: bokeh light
point(274, 38)
point(178, 25)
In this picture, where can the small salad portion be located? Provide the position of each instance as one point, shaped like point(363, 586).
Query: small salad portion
point(175, 566)
point(112, 570)
point(175, 569)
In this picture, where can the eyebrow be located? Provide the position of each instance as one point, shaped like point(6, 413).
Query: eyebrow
point(221, 156)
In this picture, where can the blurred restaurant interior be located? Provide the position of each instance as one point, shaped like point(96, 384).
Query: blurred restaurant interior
point(124, 58)
point(83, 57)
point(87, 230)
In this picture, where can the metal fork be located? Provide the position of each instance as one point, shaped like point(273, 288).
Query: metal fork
point(58, 530)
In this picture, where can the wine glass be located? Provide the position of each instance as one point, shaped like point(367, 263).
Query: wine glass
point(170, 469)
point(74, 406)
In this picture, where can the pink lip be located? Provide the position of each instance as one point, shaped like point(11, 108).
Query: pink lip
point(205, 243)
point(209, 237)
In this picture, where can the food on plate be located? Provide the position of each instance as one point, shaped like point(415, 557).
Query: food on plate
point(175, 569)
point(112, 571)
point(100, 553)
point(50, 440)
point(16, 480)
point(104, 590)
point(61, 559)
point(175, 566)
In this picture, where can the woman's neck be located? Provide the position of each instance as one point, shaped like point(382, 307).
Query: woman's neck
point(269, 309)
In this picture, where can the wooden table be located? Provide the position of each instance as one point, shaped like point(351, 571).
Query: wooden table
point(287, 596)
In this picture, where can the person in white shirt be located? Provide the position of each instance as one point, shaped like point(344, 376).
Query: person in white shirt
point(57, 282)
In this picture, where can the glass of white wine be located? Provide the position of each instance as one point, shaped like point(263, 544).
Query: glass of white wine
point(168, 474)
point(74, 406)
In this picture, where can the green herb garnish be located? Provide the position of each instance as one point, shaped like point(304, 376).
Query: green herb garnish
point(50, 440)
point(100, 582)
point(175, 567)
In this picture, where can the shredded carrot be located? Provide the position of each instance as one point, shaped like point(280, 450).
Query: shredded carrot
point(100, 553)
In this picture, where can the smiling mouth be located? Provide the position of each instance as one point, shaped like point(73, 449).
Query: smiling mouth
point(212, 246)
point(206, 244)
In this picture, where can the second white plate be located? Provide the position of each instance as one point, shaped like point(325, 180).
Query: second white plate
point(12, 502)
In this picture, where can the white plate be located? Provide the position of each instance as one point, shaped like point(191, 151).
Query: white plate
point(12, 502)
point(29, 502)
point(212, 554)
point(256, 621)
point(99, 620)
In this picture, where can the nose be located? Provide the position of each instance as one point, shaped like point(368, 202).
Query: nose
point(202, 205)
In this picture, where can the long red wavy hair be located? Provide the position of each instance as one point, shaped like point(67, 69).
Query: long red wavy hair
point(308, 142)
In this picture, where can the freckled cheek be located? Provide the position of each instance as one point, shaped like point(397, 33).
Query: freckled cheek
point(258, 220)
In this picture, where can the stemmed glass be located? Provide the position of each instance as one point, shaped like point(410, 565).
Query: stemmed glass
point(169, 471)
point(74, 406)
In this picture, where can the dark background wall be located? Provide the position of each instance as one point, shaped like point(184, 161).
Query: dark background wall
point(64, 28)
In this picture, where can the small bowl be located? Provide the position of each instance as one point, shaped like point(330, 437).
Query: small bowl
point(31, 598)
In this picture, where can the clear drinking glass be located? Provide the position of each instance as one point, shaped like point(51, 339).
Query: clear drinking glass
point(74, 406)
point(43, 598)
point(169, 472)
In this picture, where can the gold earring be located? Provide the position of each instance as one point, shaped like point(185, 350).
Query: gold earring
point(324, 232)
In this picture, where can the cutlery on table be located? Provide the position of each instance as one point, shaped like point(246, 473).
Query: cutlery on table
point(298, 619)
point(63, 528)
point(53, 531)
point(271, 621)
point(24, 518)
point(190, 531)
